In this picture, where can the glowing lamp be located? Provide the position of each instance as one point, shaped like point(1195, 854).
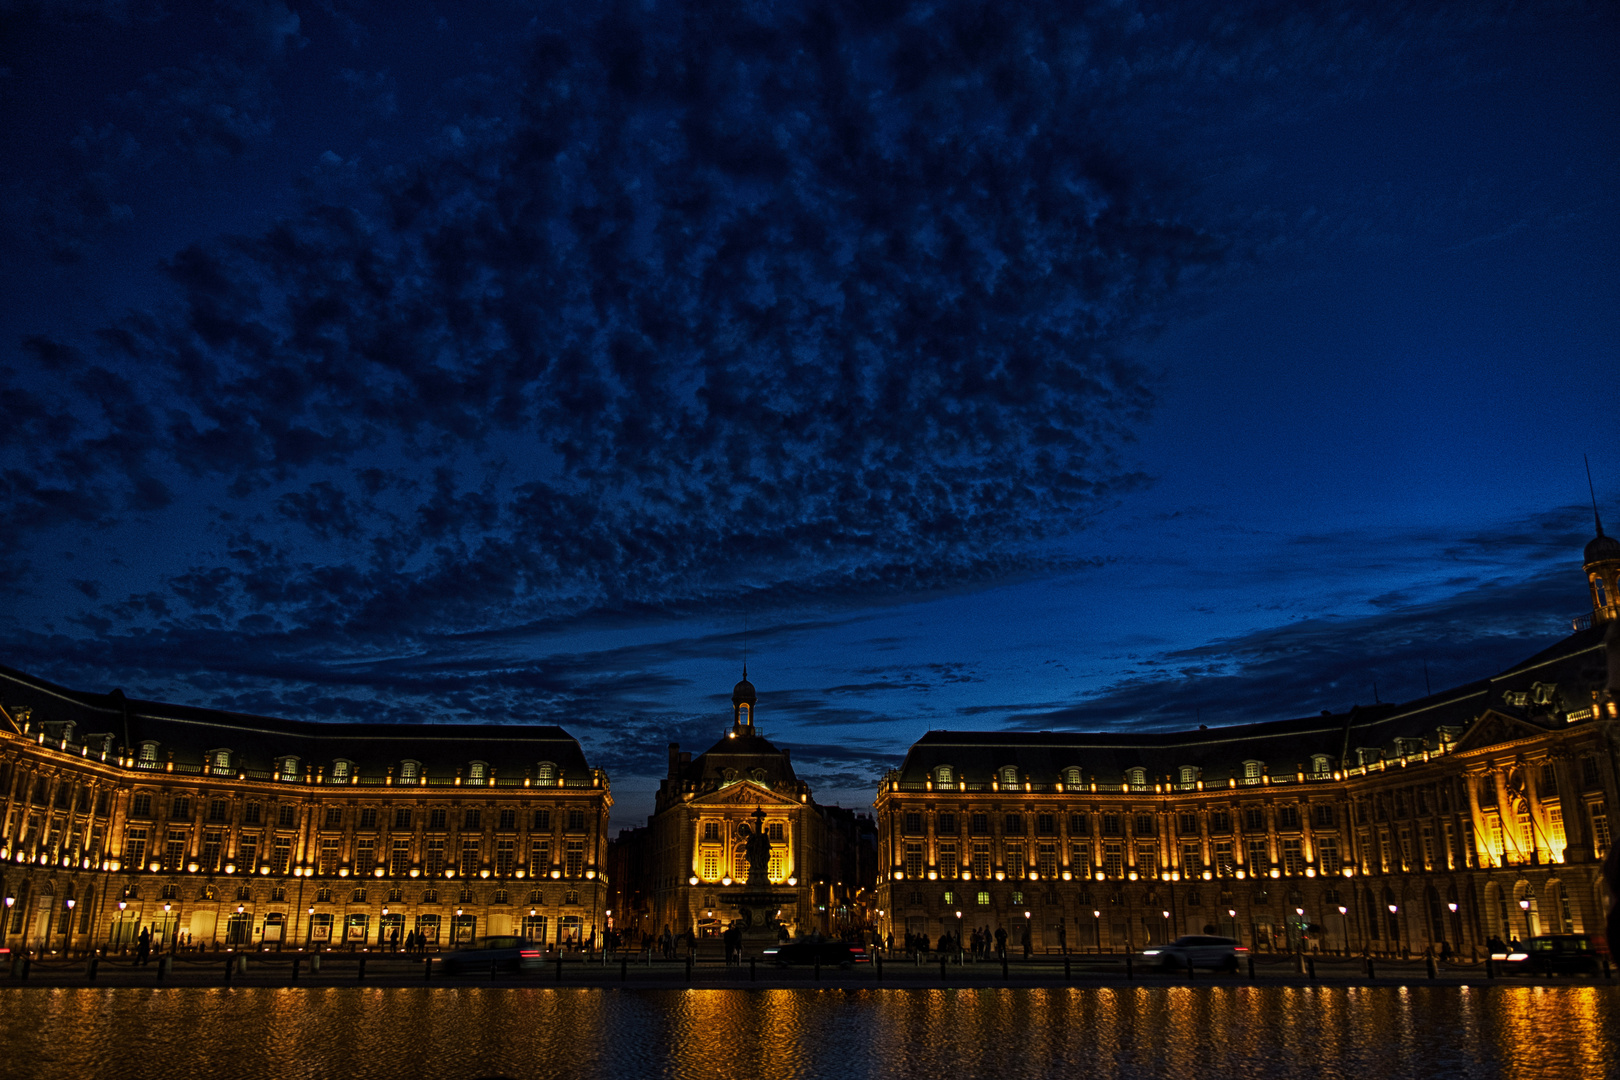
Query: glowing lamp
point(692, 880)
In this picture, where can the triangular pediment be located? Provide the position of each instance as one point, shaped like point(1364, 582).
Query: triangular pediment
point(1494, 728)
point(745, 793)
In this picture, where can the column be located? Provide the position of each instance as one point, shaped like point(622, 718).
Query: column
point(1482, 851)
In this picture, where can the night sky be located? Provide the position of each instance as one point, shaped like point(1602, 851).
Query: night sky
point(972, 365)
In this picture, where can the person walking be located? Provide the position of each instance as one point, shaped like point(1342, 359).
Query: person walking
point(1001, 942)
point(143, 946)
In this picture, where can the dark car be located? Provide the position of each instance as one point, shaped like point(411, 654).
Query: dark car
point(502, 952)
point(1551, 954)
point(809, 951)
point(1199, 950)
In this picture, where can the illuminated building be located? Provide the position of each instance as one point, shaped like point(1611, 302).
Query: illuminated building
point(1480, 810)
point(691, 853)
point(229, 830)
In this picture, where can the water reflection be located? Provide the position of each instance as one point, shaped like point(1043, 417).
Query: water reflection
point(1235, 1031)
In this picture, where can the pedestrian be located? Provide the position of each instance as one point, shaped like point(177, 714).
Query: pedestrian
point(1001, 941)
point(1063, 939)
point(143, 946)
point(1028, 947)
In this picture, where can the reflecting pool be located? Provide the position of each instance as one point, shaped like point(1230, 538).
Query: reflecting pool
point(1376, 1033)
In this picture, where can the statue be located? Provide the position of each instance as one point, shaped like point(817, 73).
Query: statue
point(757, 850)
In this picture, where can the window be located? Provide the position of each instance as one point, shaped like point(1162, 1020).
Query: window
point(1144, 825)
point(981, 860)
point(979, 824)
point(1253, 771)
point(433, 863)
point(334, 817)
point(1293, 857)
point(542, 820)
point(1014, 825)
point(502, 897)
point(1187, 823)
point(180, 807)
point(1073, 779)
point(1259, 857)
point(508, 819)
point(1287, 817)
point(546, 773)
point(505, 857)
point(1015, 860)
point(1136, 778)
point(340, 772)
point(1192, 859)
point(368, 817)
point(1045, 825)
point(539, 857)
point(174, 850)
point(252, 813)
point(140, 805)
point(1224, 863)
point(1046, 860)
point(436, 818)
point(1590, 777)
point(286, 816)
point(281, 854)
point(576, 820)
point(1321, 765)
point(1114, 860)
point(213, 842)
point(399, 862)
point(168, 892)
point(1327, 854)
point(1220, 821)
point(147, 758)
point(984, 898)
point(1009, 777)
point(219, 810)
point(775, 832)
point(1147, 860)
point(287, 768)
point(1189, 775)
point(410, 772)
point(711, 864)
point(574, 858)
point(1600, 829)
point(358, 896)
point(913, 823)
point(1080, 859)
point(469, 858)
point(914, 861)
point(944, 776)
point(1254, 819)
point(402, 817)
point(711, 831)
point(135, 849)
point(947, 860)
point(247, 853)
point(470, 818)
point(1323, 816)
point(1112, 825)
point(328, 864)
point(1079, 824)
point(365, 856)
point(477, 771)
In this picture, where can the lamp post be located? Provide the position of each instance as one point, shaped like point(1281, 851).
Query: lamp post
point(1231, 913)
point(1524, 906)
point(67, 925)
point(1454, 928)
point(382, 931)
point(1395, 938)
point(309, 932)
point(958, 937)
point(1096, 929)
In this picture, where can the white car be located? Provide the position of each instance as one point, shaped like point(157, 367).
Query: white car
point(1202, 950)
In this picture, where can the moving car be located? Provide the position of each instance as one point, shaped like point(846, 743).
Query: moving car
point(806, 950)
point(1203, 950)
point(503, 952)
point(1551, 954)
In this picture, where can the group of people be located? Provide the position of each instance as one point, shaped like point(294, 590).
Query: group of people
point(981, 944)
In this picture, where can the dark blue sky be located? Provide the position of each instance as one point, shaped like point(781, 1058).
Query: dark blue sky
point(976, 364)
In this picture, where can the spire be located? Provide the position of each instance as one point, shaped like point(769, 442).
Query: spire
point(1595, 519)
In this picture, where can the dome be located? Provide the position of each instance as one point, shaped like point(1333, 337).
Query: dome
point(743, 692)
point(1601, 547)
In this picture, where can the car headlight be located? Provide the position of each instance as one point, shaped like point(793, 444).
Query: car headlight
point(1518, 956)
point(1150, 952)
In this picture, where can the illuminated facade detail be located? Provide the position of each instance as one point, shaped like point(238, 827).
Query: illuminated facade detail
point(1453, 808)
point(677, 870)
point(138, 801)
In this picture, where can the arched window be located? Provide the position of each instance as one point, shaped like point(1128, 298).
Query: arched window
point(148, 755)
point(287, 768)
point(1136, 778)
point(1321, 764)
point(546, 773)
point(1009, 776)
point(340, 771)
point(410, 772)
point(1253, 771)
point(742, 715)
point(1189, 774)
point(944, 776)
point(1072, 778)
point(477, 772)
point(1597, 591)
point(222, 761)
point(757, 775)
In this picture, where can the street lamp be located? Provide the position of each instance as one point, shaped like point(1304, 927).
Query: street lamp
point(309, 931)
point(67, 925)
point(1524, 906)
point(1344, 927)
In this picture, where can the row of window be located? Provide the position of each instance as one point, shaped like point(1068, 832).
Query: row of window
point(436, 856)
point(1323, 816)
point(219, 810)
point(343, 770)
point(1229, 857)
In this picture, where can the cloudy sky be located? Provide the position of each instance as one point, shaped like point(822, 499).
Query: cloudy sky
point(971, 365)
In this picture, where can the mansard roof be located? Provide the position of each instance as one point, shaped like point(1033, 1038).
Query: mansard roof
point(258, 742)
point(740, 753)
point(1547, 690)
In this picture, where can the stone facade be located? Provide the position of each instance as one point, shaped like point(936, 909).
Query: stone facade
point(223, 830)
point(1481, 810)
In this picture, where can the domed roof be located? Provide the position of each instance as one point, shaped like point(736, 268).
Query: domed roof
point(743, 692)
point(1602, 547)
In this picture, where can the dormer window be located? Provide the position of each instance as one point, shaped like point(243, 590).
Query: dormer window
point(287, 768)
point(1253, 771)
point(1321, 764)
point(1189, 774)
point(477, 773)
point(546, 773)
point(410, 772)
point(1136, 778)
point(757, 775)
point(1368, 756)
point(944, 776)
point(222, 761)
point(341, 771)
point(147, 758)
point(1072, 778)
point(1009, 776)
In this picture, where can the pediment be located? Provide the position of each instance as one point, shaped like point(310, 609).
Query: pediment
point(1494, 728)
point(744, 793)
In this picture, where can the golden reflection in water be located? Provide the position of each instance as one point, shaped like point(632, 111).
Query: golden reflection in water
point(1513, 1032)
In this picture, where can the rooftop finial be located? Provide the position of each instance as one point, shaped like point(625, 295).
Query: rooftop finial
point(1595, 519)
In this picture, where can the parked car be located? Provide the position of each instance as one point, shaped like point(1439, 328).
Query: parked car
point(1205, 951)
point(842, 954)
point(1551, 954)
point(503, 952)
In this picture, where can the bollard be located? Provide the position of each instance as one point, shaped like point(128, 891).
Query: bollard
point(360, 971)
point(297, 963)
point(315, 964)
point(624, 969)
point(163, 967)
point(28, 962)
point(1251, 967)
point(1490, 968)
point(1129, 972)
point(1605, 967)
point(942, 975)
point(879, 959)
point(559, 963)
point(1068, 974)
point(1429, 962)
point(1310, 967)
point(90, 968)
point(242, 964)
point(752, 976)
point(1004, 965)
point(1371, 973)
